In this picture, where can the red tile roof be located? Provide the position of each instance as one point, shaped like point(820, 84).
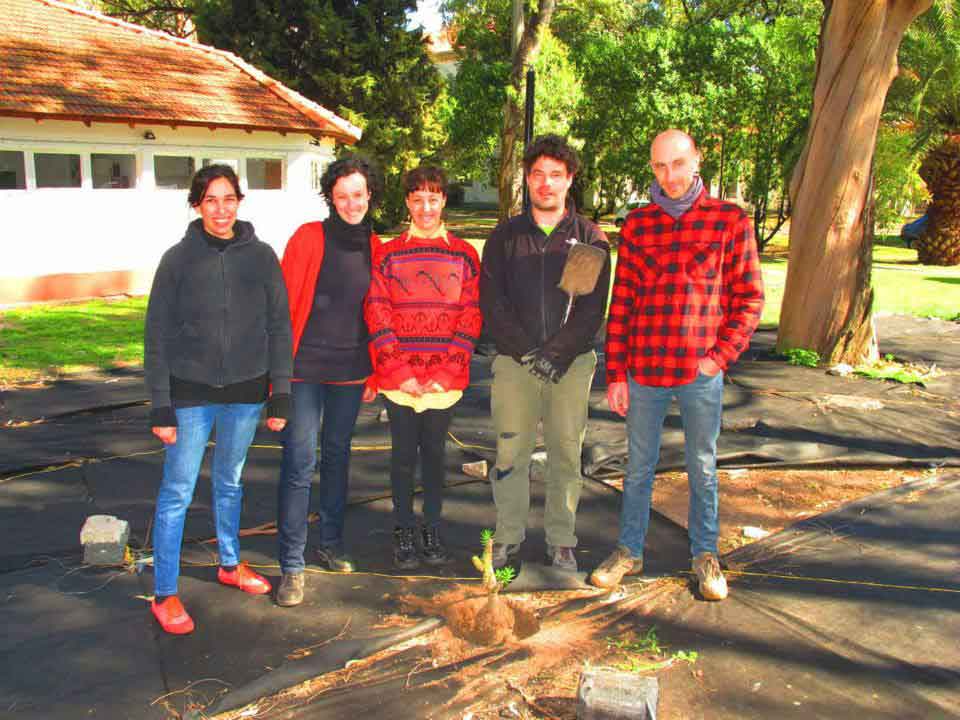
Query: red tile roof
point(60, 62)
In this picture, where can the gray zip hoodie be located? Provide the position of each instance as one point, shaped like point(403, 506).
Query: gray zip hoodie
point(217, 318)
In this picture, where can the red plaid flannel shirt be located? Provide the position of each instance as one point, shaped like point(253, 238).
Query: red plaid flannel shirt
point(684, 289)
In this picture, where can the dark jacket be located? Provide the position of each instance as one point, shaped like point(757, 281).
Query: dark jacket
point(522, 306)
point(217, 318)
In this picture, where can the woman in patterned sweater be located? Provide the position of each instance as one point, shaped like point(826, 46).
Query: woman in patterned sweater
point(423, 314)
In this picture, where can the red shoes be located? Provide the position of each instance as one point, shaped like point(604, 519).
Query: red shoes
point(171, 616)
point(245, 579)
point(175, 620)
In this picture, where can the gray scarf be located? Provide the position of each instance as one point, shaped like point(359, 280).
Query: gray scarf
point(676, 208)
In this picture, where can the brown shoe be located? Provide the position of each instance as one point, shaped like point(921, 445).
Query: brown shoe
point(611, 571)
point(290, 592)
point(713, 585)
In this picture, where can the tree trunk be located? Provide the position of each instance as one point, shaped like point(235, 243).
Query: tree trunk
point(509, 176)
point(939, 244)
point(827, 299)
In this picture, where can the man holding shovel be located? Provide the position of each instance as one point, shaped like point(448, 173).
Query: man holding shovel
point(543, 291)
point(686, 299)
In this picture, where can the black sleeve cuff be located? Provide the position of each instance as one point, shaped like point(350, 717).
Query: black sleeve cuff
point(163, 417)
point(278, 406)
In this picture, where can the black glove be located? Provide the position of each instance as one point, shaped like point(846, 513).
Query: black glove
point(542, 367)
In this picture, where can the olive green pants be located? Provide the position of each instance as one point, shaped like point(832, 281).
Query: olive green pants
point(519, 401)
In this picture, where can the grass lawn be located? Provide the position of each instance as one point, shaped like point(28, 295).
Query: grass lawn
point(48, 340)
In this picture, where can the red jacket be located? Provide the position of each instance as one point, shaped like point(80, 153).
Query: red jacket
point(684, 289)
point(301, 263)
point(423, 311)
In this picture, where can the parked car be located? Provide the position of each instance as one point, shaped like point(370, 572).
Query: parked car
point(914, 229)
point(621, 213)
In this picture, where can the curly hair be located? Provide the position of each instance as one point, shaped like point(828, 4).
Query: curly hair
point(425, 177)
point(201, 180)
point(551, 146)
point(348, 166)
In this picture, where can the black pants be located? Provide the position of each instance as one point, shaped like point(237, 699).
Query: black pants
point(412, 434)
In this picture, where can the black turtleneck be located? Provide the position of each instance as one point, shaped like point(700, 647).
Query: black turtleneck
point(333, 347)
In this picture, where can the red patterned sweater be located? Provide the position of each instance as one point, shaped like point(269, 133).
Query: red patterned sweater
point(684, 289)
point(423, 310)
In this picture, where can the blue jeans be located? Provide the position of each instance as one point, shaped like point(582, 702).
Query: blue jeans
point(337, 406)
point(236, 425)
point(701, 405)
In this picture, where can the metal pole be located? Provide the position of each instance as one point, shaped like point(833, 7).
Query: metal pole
point(528, 128)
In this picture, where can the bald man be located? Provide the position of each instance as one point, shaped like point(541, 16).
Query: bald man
point(686, 298)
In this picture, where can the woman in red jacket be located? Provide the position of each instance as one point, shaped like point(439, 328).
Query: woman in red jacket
point(423, 313)
point(326, 267)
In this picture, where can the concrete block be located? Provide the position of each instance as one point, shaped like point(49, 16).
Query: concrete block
point(476, 469)
point(607, 694)
point(104, 540)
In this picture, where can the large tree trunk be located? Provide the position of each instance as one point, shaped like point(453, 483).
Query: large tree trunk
point(827, 300)
point(510, 177)
point(940, 242)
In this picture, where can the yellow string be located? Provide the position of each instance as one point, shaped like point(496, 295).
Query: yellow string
point(834, 581)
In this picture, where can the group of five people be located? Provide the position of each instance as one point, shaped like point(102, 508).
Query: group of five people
point(345, 316)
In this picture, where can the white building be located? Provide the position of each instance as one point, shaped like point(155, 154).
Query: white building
point(102, 124)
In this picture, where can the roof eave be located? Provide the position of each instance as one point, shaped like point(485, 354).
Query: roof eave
point(312, 130)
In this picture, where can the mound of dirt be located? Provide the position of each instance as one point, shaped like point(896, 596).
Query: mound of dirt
point(479, 619)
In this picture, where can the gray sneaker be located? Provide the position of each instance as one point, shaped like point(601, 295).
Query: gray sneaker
point(290, 592)
point(562, 557)
point(611, 571)
point(713, 585)
point(502, 553)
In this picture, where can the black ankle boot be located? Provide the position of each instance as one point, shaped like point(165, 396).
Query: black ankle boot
point(405, 549)
point(432, 547)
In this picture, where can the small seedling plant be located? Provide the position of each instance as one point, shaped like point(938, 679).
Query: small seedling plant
point(890, 368)
point(493, 580)
point(646, 653)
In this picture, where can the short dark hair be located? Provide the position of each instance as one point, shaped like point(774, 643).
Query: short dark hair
point(552, 146)
point(348, 166)
point(204, 176)
point(425, 177)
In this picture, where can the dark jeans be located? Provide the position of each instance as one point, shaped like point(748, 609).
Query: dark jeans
point(330, 411)
point(414, 433)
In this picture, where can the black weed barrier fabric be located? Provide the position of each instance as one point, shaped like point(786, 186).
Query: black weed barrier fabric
point(80, 642)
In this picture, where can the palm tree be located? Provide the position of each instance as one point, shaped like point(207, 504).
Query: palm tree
point(929, 92)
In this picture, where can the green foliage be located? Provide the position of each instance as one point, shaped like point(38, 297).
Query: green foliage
point(505, 575)
point(926, 92)
point(357, 59)
point(486, 535)
point(642, 655)
point(647, 643)
point(171, 16)
point(897, 185)
point(800, 356)
point(478, 92)
point(741, 87)
point(889, 368)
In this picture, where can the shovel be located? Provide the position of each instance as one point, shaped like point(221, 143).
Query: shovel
point(581, 272)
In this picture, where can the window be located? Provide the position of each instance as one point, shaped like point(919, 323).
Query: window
point(12, 173)
point(172, 173)
point(264, 174)
point(56, 170)
point(114, 171)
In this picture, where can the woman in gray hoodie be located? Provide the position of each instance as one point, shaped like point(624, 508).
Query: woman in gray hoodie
point(217, 340)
